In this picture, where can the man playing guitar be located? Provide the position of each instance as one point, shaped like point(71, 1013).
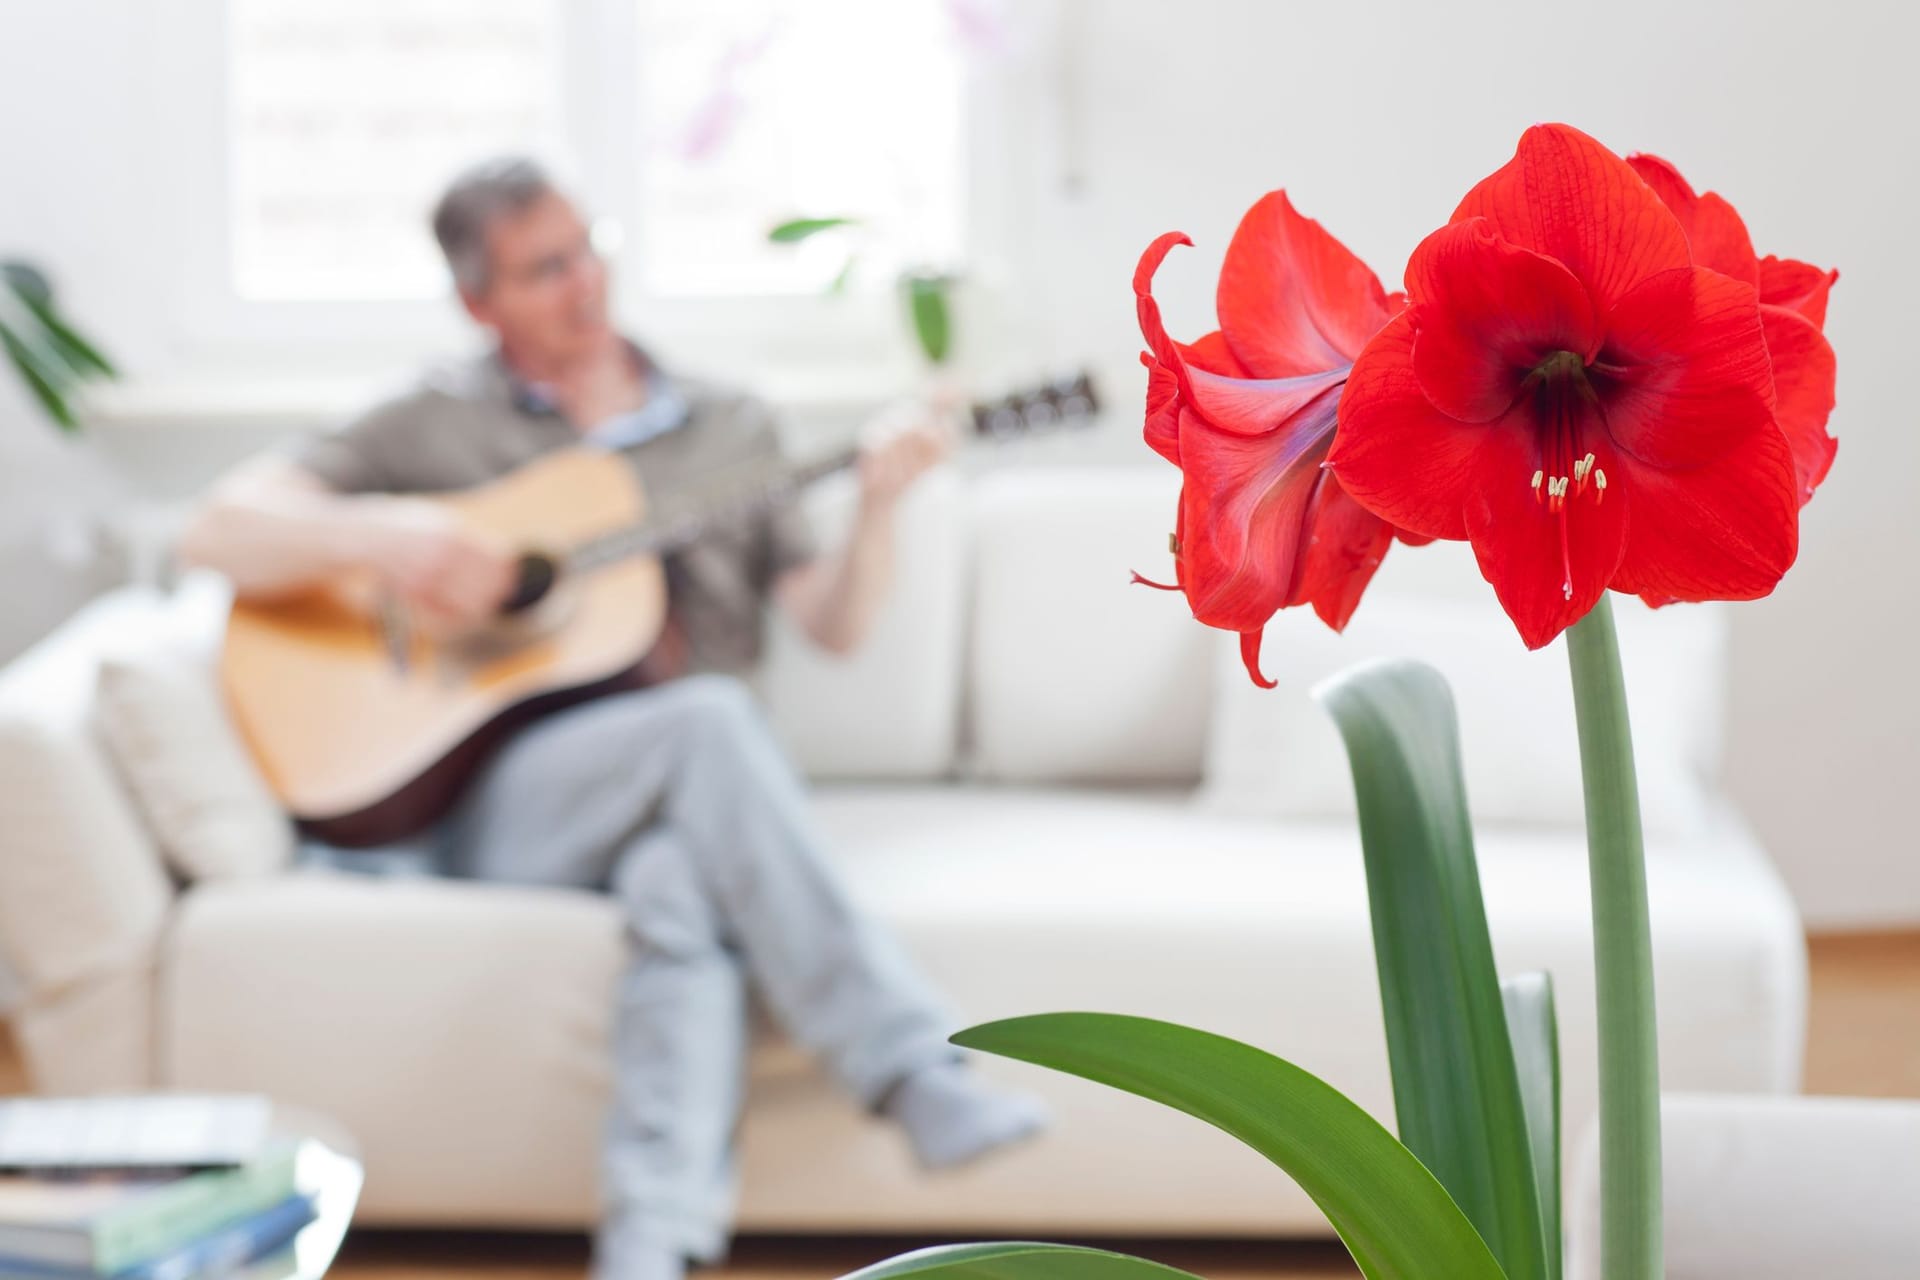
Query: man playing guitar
point(674, 798)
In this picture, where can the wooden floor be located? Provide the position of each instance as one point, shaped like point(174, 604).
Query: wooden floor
point(1863, 1040)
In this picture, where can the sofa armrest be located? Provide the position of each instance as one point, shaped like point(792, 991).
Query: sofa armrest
point(83, 895)
point(1762, 1188)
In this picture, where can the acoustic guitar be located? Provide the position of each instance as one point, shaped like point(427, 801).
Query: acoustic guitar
point(368, 730)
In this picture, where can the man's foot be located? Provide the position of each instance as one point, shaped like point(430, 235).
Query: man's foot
point(951, 1117)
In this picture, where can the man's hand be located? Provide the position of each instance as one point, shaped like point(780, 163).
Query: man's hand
point(899, 446)
point(452, 577)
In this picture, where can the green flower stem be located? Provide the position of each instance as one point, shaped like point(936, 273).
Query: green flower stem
point(1622, 958)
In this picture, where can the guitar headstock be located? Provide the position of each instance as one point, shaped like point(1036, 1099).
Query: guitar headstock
point(1069, 401)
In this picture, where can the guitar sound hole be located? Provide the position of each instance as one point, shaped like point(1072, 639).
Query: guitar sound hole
point(538, 573)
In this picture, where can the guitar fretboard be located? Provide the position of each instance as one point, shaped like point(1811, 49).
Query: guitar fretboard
point(1066, 402)
point(660, 537)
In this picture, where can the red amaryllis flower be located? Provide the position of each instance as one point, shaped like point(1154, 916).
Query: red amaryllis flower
point(1793, 311)
point(1247, 414)
point(1572, 395)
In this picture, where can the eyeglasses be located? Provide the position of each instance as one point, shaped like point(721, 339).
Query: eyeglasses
point(602, 241)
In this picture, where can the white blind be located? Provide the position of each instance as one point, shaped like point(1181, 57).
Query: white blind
point(349, 116)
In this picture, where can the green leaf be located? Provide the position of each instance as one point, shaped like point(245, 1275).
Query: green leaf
point(47, 382)
point(1394, 1217)
point(1456, 1090)
point(794, 230)
point(80, 355)
point(932, 323)
point(1535, 1030)
point(838, 285)
point(1018, 1260)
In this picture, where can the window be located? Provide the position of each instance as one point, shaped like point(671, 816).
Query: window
point(757, 111)
point(348, 115)
point(696, 124)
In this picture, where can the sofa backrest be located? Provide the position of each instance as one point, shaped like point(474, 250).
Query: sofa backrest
point(891, 710)
point(1016, 649)
point(1075, 673)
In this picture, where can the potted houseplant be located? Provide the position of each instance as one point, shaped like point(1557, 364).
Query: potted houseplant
point(1594, 380)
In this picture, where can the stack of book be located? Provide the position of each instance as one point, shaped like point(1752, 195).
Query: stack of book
point(168, 1188)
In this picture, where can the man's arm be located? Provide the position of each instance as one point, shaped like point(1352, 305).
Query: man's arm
point(833, 599)
point(273, 527)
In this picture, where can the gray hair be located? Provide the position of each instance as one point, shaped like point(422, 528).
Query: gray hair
point(473, 202)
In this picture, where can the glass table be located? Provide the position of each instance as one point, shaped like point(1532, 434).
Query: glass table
point(327, 1168)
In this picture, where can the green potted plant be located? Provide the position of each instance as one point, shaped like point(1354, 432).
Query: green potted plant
point(52, 358)
point(927, 295)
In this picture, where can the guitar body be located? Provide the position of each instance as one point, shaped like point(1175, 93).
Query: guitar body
point(363, 749)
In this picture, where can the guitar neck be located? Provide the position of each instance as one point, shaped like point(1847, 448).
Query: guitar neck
point(662, 537)
point(1066, 402)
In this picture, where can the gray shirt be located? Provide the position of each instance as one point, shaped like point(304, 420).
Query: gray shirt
point(472, 422)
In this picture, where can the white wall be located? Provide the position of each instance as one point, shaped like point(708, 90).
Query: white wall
point(1138, 117)
point(1377, 117)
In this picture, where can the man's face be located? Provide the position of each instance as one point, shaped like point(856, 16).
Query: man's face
point(546, 290)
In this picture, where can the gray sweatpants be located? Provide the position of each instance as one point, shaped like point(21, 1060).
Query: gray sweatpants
point(678, 802)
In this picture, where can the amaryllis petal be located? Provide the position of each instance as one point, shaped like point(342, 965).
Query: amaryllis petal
point(1803, 381)
point(1717, 532)
point(1292, 299)
point(1715, 231)
point(1684, 372)
point(1395, 453)
point(1243, 513)
point(1255, 406)
point(1793, 307)
point(1547, 561)
point(1566, 196)
point(1211, 352)
point(1797, 286)
point(1346, 547)
point(1250, 656)
point(1486, 312)
point(1148, 310)
point(1162, 427)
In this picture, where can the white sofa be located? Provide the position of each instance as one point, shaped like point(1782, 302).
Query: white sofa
point(1007, 774)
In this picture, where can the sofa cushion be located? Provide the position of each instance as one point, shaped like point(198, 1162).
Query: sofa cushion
point(206, 804)
point(383, 1004)
point(1021, 901)
point(1076, 673)
point(1275, 752)
point(83, 895)
point(891, 709)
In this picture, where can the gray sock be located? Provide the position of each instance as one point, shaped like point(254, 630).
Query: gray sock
point(951, 1117)
point(622, 1250)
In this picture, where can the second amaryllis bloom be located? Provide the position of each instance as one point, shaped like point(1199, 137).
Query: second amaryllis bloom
point(1248, 412)
point(1569, 392)
point(1793, 313)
